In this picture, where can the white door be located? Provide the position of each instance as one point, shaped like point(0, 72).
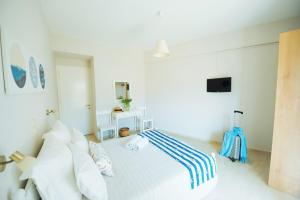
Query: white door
point(75, 101)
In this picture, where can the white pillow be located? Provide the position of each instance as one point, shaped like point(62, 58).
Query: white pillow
point(18, 194)
point(31, 192)
point(101, 158)
point(60, 131)
point(78, 139)
point(53, 173)
point(89, 180)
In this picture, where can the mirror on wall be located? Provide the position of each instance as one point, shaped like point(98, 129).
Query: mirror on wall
point(121, 90)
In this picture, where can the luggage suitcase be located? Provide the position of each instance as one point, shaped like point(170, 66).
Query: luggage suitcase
point(236, 148)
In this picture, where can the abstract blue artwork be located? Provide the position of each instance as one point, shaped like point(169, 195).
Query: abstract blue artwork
point(19, 75)
point(18, 65)
point(33, 72)
point(22, 71)
point(42, 76)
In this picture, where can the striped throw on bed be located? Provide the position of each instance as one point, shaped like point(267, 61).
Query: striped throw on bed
point(201, 167)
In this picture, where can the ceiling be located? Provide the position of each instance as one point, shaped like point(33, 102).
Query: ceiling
point(135, 22)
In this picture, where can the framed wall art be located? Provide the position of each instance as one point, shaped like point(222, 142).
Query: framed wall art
point(22, 71)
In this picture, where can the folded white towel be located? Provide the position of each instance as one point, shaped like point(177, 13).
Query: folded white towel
point(142, 143)
point(131, 145)
point(137, 143)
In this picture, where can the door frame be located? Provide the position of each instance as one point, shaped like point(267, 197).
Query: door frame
point(60, 58)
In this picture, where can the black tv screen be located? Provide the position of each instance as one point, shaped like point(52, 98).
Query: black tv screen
point(219, 85)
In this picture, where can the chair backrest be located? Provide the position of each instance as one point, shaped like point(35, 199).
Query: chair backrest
point(143, 110)
point(104, 118)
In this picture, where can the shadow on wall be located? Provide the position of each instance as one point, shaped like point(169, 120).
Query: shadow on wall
point(217, 136)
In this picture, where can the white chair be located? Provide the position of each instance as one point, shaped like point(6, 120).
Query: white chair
point(145, 122)
point(104, 124)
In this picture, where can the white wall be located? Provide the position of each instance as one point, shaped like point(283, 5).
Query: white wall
point(22, 117)
point(109, 64)
point(176, 86)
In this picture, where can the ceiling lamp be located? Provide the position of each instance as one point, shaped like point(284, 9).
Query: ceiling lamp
point(161, 49)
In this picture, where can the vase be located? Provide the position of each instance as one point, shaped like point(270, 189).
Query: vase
point(126, 107)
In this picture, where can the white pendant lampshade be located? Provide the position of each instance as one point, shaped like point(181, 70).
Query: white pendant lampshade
point(161, 49)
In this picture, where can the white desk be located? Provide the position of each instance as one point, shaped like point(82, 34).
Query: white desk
point(135, 114)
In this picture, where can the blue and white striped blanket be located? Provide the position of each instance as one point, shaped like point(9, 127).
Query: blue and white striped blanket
point(201, 167)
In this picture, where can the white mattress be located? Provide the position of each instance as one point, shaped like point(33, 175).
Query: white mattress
point(149, 174)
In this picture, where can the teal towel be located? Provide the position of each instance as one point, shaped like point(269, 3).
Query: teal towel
point(229, 141)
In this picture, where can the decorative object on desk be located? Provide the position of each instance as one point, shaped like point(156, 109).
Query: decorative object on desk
point(117, 109)
point(20, 67)
point(126, 103)
point(124, 132)
point(23, 162)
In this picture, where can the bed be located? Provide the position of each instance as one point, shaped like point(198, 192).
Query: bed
point(149, 174)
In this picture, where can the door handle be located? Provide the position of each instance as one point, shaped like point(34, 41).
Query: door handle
point(89, 106)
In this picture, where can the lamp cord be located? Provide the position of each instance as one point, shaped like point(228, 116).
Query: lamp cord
point(6, 162)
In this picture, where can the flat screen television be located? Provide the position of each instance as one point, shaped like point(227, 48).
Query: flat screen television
point(219, 84)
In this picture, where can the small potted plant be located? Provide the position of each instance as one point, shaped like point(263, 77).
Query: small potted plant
point(126, 103)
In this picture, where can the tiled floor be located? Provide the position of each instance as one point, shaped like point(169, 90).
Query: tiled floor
point(241, 181)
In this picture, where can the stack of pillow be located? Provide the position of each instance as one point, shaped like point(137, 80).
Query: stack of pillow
point(65, 169)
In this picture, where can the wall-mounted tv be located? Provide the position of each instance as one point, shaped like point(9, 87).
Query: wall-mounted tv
point(219, 84)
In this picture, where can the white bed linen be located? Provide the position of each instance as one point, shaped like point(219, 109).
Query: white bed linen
point(149, 174)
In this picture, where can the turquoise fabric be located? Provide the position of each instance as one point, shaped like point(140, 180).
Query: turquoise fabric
point(229, 141)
